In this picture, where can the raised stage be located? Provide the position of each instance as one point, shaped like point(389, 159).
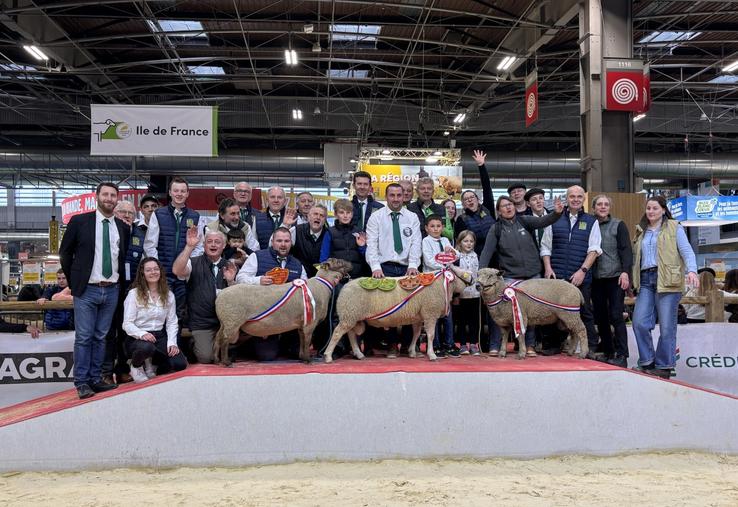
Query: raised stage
point(372, 409)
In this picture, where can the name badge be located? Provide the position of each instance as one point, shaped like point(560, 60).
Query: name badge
point(136, 241)
point(582, 226)
point(190, 223)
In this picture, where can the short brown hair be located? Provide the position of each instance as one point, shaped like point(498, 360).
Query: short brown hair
point(178, 179)
point(106, 184)
point(343, 204)
point(361, 174)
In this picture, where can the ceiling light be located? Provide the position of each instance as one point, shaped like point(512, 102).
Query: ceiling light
point(386, 157)
point(460, 118)
point(297, 114)
point(36, 52)
point(437, 153)
point(639, 117)
point(290, 56)
point(385, 151)
point(316, 110)
point(431, 160)
point(308, 28)
point(446, 132)
point(731, 67)
point(506, 63)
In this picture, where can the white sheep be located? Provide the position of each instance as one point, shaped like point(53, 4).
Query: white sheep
point(535, 313)
point(355, 305)
point(237, 304)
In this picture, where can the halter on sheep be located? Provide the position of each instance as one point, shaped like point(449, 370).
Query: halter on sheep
point(358, 307)
point(540, 302)
point(265, 310)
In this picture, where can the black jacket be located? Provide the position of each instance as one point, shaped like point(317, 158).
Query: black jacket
point(77, 250)
point(417, 208)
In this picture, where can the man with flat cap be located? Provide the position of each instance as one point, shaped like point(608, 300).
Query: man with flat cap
point(535, 200)
point(516, 191)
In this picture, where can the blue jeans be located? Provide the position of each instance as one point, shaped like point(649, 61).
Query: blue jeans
point(530, 331)
point(649, 303)
point(93, 314)
point(448, 335)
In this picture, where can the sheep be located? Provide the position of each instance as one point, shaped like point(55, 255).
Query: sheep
point(237, 304)
point(492, 285)
point(355, 304)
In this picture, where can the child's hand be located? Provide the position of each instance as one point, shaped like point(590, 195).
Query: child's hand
point(361, 239)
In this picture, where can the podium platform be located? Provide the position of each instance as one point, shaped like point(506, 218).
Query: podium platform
point(362, 410)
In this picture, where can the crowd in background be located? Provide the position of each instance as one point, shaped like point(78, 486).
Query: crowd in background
point(135, 282)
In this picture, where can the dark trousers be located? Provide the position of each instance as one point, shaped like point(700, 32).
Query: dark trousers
point(115, 354)
point(469, 318)
point(588, 315)
point(140, 350)
point(608, 305)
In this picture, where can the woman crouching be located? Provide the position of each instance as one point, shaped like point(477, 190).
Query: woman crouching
point(150, 321)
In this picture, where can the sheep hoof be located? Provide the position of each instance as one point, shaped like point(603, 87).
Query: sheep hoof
point(327, 358)
point(412, 354)
point(502, 353)
point(521, 355)
point(227, 364)
point(359, 356)
point(432, 357)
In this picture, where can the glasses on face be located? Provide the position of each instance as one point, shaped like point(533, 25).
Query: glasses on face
point(238, 191)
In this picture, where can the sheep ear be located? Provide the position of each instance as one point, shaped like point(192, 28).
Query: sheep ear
point(319, 265)
point(501, 273)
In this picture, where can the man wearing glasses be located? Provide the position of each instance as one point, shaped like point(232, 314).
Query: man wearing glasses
point(242, 195)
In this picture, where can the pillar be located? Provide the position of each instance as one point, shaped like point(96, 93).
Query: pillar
point(606, 137)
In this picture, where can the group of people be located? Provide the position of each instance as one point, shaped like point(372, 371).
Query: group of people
point(135, 283)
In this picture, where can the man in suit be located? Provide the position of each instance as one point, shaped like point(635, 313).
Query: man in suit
point(92, 253)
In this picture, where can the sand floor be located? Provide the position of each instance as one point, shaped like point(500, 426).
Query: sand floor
point(672, 479)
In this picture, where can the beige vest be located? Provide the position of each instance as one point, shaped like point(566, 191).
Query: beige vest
point(670, 263)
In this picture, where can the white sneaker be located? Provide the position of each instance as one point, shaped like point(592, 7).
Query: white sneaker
point(149, 368)
point(138, 374)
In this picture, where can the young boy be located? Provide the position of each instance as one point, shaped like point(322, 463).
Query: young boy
point(348, 242)
point(434, 243)
point(236, 249)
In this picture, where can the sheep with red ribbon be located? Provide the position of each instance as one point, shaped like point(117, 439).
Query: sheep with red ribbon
point(420, 307)
point(535, 302)
point(265, 310)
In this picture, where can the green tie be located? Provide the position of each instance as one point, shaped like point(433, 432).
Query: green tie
point(440, 245)
point(275, 219)
point(178, 219)
point(396, 231)
point(361, 224)
point(107, 261)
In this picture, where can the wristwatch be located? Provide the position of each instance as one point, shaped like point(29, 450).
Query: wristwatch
point(584, 270)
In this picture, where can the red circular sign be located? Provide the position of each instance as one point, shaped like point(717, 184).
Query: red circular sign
point(445, 258)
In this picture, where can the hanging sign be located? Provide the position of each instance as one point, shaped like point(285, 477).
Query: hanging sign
point(154, 130)
point(447, 180)
point(704, 210)
point(623, 90)
point(31, 273)
point(646, 89)
point(531, 98)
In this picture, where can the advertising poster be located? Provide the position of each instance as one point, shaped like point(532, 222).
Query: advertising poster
point(447, 179)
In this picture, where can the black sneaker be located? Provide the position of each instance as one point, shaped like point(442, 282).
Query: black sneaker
point(620, 361)
point(454, 352)
point(440, 353)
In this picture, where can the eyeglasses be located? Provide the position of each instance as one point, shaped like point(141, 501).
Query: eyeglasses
point(242, 191)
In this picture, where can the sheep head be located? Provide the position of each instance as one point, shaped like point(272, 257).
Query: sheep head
point(334, 270)
point(490, 282)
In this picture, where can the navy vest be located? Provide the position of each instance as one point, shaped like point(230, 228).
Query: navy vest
point(343, 246)
point(135, 252)
point(569, 246)
point(267, 259)
point(306, 250)
point(201, 292)
point(167, 249)
point(479, 223)
point(265, 227)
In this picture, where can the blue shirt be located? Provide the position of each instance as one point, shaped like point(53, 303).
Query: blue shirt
point(649, 257)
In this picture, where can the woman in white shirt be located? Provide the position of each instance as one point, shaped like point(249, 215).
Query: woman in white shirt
point(150, 321)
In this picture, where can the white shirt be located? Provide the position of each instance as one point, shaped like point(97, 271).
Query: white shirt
point(251, 242)
point(380, 245)
point(96, 275)
point(139, 319)
point(430, 249)
point(188, 271)
point(595, 237)
point(469, 262)
point(247, 273)
point(301, 220)
point(151, 243)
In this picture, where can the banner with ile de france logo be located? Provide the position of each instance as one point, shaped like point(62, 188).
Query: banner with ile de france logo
point(154, 130)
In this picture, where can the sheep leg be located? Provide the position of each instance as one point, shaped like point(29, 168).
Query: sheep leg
point(504, 331)
point(521, 346)
point(342, 328)
point(355, 344)
point(306, 336)
point(220, 347)
point(411, 351)
point(430, 331)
